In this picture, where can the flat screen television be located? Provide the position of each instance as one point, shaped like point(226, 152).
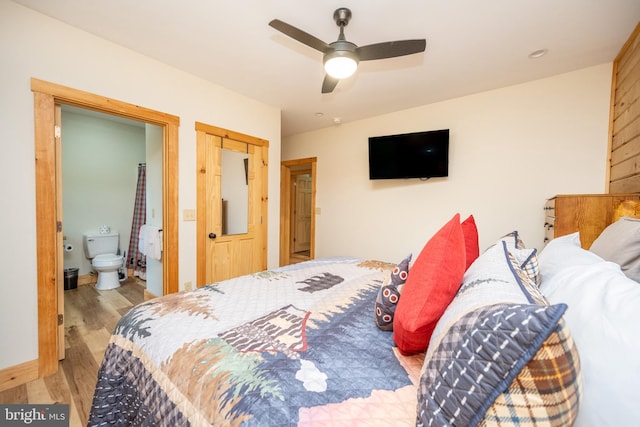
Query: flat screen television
point(409, 155)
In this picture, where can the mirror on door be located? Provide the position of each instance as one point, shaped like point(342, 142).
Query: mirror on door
point(235, 190)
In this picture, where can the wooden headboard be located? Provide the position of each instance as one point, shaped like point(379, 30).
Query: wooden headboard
point(587, 213)
point(624, 124)
point(629, 208)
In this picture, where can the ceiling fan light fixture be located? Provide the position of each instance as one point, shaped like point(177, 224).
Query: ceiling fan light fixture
point(340, 64)
point(341, 57)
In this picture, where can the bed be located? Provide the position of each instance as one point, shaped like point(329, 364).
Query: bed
point(454, 336)
point(294, 345)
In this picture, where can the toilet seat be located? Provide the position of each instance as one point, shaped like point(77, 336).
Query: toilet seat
point(107, 260)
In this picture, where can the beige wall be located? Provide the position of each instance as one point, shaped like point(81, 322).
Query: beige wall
point(510, 149)
point(33, 45)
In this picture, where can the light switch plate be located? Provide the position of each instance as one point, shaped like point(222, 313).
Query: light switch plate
point(189, 215)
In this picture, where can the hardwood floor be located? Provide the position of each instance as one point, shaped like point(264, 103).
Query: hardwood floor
point(90, 317)
point(296, 257)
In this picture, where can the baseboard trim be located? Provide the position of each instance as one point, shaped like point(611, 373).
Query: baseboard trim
point(87, 279)
point(18, 374)
point(148, 295)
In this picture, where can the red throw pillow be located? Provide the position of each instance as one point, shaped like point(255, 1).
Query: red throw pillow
point(433, 281)
point(472, 248)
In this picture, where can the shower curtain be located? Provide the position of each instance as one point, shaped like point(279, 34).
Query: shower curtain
point(136, 260)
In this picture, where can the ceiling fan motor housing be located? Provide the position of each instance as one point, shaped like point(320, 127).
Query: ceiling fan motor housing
point(341, 48)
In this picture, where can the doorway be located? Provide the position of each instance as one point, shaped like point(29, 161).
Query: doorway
point(48, 221)
point(231, 204)
point(103, 160)
point(297, 210)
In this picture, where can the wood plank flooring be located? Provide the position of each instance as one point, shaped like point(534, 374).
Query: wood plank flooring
point(90, 317)
point(296, 257)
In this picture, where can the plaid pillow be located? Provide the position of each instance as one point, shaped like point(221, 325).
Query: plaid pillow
point(528, 258)
point(549, 386)
point(513, 240)
point(494, 353)
point(528, 274)
point(520, 367)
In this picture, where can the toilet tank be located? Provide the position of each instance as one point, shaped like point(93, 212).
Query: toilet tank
point(97, 244)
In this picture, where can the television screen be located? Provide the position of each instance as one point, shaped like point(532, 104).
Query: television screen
point(411, 155)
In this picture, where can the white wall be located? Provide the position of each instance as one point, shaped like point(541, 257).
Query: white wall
point(33, 45)
point(510, 149)
point(99, 176)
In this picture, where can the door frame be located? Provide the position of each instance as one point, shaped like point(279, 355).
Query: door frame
point(262, 149)
point(46, 96)
point(286, 168)
point(294, 211)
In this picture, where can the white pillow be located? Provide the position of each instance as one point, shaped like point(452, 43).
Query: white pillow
point(620, 243)
point(564, 251)
point(603, 315)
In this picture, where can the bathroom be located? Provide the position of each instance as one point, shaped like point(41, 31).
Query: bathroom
point(101, 155)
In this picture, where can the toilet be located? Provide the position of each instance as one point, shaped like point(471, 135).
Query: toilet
point(102, 248)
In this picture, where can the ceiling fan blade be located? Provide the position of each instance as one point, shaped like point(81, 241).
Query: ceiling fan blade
point(299, 35)
point(329, 84)
point(391, 49)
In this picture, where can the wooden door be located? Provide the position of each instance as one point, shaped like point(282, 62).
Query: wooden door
point(302, 213)
point(231, 207)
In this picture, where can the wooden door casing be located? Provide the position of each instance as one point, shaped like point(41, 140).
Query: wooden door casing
point(288, 170)
point(46, 96)
point(226, 256)
point(59, 234)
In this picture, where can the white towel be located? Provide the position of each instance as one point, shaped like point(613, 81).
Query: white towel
point(142, 238)
point(151, 236)
point(153, 243)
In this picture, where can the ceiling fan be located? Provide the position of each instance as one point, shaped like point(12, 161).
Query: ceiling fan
point(341, 57)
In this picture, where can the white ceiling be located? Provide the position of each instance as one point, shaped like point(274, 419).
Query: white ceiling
point(472, 46)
